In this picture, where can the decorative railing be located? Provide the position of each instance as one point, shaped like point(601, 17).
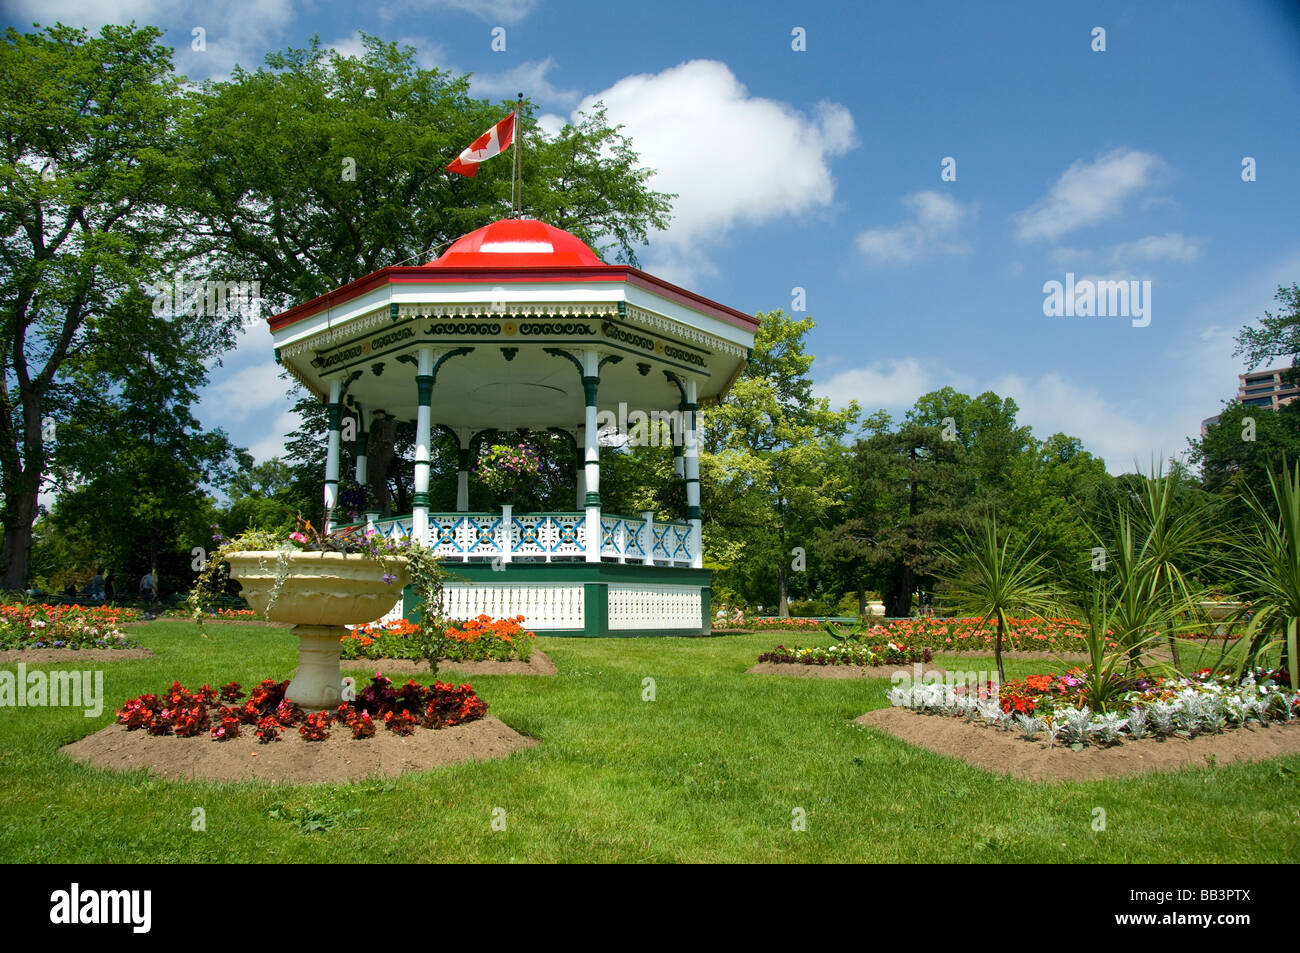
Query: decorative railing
point(506, 536)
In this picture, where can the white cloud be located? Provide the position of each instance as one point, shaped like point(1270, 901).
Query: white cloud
point(1088, 193)
point(1120, 432)
point(1171, 246)
point(490, 11)
point(250, 390)
point(528, 78)
point(930, 229)
point(428, 55)
point(890, 384)
point(730, 157)
point(93, 13)
point(1127, 436)
point(271, 444)
point(551, 124)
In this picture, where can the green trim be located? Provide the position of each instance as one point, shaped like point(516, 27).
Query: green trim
point(592, 498)
point(277, 355)
point(589, 387)
point(406, 359)
point(424, 388)
point(674, 379)
point(411, 604)
point(454, 352)
point(595, 609)
point(706, 609)
point(335, 416)
point(609, 359)
point(693, 513)
point(418, 498)
point(392, 312)
point(558, 352)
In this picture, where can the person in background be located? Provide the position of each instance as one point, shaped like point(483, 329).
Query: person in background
point(70, 589)
point(97, 586)
point(146, 588)
point(110, 587)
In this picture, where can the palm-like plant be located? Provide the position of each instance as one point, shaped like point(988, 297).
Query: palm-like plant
point(1270, 570)
point(1140, 591)
point(1172, 536)
point(994, 579)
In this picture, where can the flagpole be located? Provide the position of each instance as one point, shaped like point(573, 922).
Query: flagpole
point(519, 162)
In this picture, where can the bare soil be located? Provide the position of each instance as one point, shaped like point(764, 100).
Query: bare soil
point(291, 759)
point(1004, 752)
point(801, 670)
point(539, 663)
point(41, 656)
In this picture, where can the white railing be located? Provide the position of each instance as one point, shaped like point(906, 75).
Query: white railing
point(506, 536)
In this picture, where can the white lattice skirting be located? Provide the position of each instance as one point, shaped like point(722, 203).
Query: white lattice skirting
point(544, 605)
point(634, 606)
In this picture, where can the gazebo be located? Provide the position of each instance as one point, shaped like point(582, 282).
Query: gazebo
point(520, 325)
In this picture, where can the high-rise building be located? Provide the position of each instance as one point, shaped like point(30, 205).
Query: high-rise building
point(1266, 389)
point(1260, 389)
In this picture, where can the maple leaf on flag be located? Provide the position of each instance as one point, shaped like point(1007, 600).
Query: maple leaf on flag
point(493, 142)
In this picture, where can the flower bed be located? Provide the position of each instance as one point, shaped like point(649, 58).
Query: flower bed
point(967, 635)
point(475, 640)
point(847, 654)
point(1057, 706)
point(266, 712)
point(64, 627)
point(768, 623)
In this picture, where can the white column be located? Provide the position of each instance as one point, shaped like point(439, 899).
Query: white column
point(423, 439)
point(679, 438)
point(648, 540)
point(691, 455)
point(462, 474)
point(579, 470)
point(332, 453)
point(591, 454)
point(506, 538)
point(362, 430)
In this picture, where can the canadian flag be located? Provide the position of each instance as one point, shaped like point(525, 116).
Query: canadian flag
point(493, 142)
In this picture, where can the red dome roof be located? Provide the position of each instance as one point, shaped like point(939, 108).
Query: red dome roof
point(516, 243)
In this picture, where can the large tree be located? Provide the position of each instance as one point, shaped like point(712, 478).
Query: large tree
point(775, 453)
point(132, 464)
point(87, 173)
point(1276, 335)
point(319, 168)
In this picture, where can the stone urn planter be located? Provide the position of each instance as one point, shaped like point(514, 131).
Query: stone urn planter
point(1220, 611)
point(321, 593)
point(876, 609)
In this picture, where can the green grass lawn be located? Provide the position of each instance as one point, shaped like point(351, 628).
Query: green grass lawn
point(712, 770)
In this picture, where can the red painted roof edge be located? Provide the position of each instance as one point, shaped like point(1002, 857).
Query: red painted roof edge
point(395, 274)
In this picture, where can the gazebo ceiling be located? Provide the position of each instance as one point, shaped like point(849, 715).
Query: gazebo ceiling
point(500, 310)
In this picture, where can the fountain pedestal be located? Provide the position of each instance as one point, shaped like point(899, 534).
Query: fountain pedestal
point(319, 595)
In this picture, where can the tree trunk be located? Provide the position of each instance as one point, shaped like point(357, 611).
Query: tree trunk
point(862, 602)
point(783, 602)
point(899, 599)
point(16, 551)
point(22, 486)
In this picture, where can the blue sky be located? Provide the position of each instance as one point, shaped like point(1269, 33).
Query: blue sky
point(820, 169)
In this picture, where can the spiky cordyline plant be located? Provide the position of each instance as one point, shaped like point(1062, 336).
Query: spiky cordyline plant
point(1269, 570)
point(1136, 586)
point(1172, 537)
point(994, 580)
